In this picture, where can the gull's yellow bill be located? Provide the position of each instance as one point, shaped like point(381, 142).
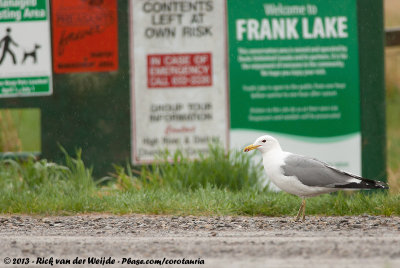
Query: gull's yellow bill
point(250, 147)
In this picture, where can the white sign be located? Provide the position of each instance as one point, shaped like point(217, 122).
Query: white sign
point(25, 51)
point(179, 83)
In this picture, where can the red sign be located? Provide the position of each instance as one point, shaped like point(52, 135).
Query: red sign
point(85, 35)
point(179, 70)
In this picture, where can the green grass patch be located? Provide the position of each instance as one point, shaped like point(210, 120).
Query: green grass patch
point(217, 184)
point(20, 130)
point(233, 171)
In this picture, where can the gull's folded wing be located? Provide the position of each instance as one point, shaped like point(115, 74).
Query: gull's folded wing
point(312, 172)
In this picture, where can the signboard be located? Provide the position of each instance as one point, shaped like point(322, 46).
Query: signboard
point(85, 36)
point(25, 54)
point(294, 74)
point(179, 87)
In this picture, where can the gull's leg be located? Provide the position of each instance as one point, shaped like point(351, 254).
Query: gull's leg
point(300, 211)
point(304, 209)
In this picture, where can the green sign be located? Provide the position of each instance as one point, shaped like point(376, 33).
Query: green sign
point(294, 73)
point(25, 10)
point(25, 51)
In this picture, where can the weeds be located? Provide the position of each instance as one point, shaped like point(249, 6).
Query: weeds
point(216, 184)
point(31, 186)
point(232, 170)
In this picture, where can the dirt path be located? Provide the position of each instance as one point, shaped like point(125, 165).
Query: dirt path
point(365, 241)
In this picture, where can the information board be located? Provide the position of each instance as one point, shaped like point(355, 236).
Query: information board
point(25, 53)
point(294, 74)
point(179, 82)
point(85, 36)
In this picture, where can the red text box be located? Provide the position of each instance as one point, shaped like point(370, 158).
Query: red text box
point(179, 70)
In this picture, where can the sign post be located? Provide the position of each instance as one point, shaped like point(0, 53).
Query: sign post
point(25, 54)
point(85, 36)
point(179, 88)
point(309, 72)
point(294, 73)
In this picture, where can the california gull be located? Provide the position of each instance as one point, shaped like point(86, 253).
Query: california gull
point(304, 176)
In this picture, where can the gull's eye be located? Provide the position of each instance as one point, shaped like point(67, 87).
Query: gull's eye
point(264, 141)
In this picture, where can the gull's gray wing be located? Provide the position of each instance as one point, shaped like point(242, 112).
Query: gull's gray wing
point(312, 172)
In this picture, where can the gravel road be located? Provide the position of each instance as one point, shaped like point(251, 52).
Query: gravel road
point(362, 241)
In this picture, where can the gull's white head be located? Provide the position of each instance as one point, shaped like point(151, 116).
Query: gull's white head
point(264, 144)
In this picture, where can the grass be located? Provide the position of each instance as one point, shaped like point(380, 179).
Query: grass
point(20, 130)
point(232, 170)
point(213, 185)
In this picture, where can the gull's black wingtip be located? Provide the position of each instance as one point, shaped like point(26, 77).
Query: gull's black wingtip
point(364, 184)
point(381, 185)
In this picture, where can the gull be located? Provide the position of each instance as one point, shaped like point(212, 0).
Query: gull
point(304, 176)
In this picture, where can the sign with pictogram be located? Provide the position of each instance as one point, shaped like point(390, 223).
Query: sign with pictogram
point(25, 53)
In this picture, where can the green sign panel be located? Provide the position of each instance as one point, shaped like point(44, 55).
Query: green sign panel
point(25, 52)
point(294, 73)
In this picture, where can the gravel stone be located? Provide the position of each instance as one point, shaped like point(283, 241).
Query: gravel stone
point(359, 241)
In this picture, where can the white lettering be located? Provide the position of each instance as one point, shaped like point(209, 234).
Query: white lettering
point(240, 30)
point(252, 29)
point(342, 27)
